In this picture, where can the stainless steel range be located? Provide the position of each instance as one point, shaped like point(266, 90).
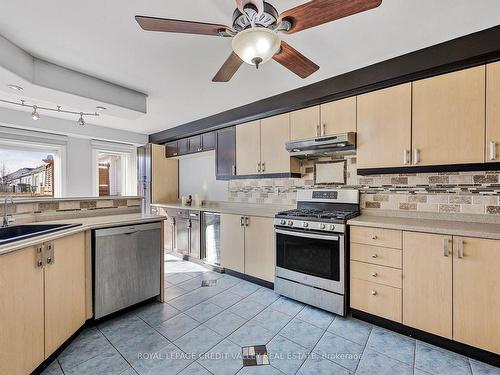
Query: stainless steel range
point(311, 248)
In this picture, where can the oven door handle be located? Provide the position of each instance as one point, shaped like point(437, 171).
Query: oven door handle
point(307, 235)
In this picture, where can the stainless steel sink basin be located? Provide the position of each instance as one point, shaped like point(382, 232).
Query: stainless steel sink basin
point(21, 232)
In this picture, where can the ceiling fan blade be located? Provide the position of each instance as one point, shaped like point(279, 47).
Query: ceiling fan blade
point(179, 26)
point(294, 61)
point(230, 66)
point(318, 12)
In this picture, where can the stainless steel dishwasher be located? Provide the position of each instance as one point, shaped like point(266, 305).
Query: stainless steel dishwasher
point(126, 266)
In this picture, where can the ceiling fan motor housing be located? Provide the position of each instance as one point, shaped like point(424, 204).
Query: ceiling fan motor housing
point(267, 19)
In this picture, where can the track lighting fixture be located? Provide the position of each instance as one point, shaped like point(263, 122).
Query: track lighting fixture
point(35, 115)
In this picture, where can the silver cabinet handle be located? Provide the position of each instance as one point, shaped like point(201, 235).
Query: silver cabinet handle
point(234, 170)
point(460, 249)
point(416, 156)
point(247, 221)
point(374, 255)
point(258, 167)
point(323, 126)
point(374, 292)
point(374, 274)
point(493, 150)
point(263, 169)
point(318, 131)
point(406, 157)
point(446, 251)
point(39, 256)
point(374, 237)
point(242, 222)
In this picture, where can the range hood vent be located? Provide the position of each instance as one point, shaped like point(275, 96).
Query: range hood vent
point(344, 143)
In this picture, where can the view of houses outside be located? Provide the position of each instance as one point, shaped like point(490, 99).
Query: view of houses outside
point(26, 173)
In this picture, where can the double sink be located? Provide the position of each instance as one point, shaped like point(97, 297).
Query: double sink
point(21, 232)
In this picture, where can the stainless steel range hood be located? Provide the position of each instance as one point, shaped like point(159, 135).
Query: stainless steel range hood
point(344, 143)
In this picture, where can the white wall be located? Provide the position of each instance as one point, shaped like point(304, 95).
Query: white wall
point(79, 168)
point(197, 176)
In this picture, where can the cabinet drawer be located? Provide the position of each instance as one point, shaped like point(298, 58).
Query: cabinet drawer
point(382, 256)
point(377, 236)
point(381, 300)
point(377, 274)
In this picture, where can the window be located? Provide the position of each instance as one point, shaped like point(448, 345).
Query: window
point(115, 171)
point(27, 173)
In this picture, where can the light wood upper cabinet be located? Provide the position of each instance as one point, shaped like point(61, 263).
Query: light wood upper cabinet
point(232, 242)
point(65, 302)
point(427, 282)
point(274, 133)
point(493, 112)
point(305, 123)
point(248, 148)
point(164, 175)
point(259, 248)
point(21, 312)
point(338, 116)
point(384, 127)
point(449, 118)
point(476, 296)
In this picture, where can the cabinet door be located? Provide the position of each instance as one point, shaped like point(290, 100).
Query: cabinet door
point(65, 309)
point(194, 239)
point(182, 236)
point(194, 144)
point(248, 148)
point(448, 118)
point(164, 176)
point(183, 146)
point(384, 127)
point(259, 248)
point(21, 312)
point(232, 242)
point(171, 149)
point(274, 133)
point(225, 162)
point(476, 296)
point(168, 235)
point(339, 116)
point(304, 123)
point(427, 282)
point(208, 141)
point(493, 112)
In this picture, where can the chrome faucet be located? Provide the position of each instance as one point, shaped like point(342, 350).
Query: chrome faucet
point(7, 218)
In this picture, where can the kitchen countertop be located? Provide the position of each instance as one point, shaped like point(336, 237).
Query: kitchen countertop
point(232, 208)
point(87, 223)
point(449, 227)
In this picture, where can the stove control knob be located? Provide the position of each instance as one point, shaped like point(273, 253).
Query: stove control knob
point(305, 224)
point(332, 227)
point(290, 223)
point(322, 226)
point(282, 221)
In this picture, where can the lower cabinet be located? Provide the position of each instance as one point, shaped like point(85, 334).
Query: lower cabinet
point(41, 306)
point(247, 245)
point(21, 312)
point(476, 292)
point(427, 283)
point(259, 248)
point(450, 286)
point(232, 242)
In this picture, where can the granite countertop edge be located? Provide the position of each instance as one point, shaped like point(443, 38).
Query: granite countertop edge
point(231, 208)
point(437, 226)
point(87, 223)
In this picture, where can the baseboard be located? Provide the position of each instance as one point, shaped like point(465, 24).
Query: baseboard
point(454, 346)
point(252, 279)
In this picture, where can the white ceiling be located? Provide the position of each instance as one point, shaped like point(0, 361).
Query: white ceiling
point(101, 38)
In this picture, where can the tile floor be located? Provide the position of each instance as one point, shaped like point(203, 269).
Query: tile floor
point(201, 330)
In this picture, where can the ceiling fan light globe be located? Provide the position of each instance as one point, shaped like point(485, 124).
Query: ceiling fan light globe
point(257, 42)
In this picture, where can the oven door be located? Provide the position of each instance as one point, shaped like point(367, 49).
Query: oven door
point(314, 259)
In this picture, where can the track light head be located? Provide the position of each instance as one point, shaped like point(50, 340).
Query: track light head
point(34, 115)
point(81, 121)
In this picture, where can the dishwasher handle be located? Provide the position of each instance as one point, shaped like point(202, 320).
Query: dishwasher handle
point(128, 230)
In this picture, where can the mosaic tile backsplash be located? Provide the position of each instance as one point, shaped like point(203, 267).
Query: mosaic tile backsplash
point(451, 192)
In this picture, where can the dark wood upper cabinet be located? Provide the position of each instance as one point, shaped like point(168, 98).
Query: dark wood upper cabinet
point(171, 149)
point(194, 144)
point(208, 141)
point(225, 155)
point(183, 146)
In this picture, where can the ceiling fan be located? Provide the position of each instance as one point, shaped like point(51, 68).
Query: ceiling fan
point(255, 29)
